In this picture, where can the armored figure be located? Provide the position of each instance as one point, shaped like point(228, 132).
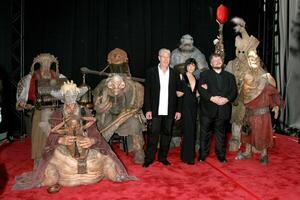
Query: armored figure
point(33, 92)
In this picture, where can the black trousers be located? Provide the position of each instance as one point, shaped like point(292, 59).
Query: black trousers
point(207, 127)
point(161, 130)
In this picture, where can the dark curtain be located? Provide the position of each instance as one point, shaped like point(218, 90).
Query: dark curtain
point(82, 32)
point(5, 66)
point(4, 35)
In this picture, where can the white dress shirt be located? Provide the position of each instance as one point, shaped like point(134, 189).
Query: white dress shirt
point(164, 91)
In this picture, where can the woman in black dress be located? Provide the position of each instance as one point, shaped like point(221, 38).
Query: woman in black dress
point(189, 111)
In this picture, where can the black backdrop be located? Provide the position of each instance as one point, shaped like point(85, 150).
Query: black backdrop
point(82, 32)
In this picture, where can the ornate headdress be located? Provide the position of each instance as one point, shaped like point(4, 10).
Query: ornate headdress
point(244, 42)
point(69, 92)
point(45, 59)
point(118, 61)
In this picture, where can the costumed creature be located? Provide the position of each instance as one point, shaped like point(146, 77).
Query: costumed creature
point(260, 96)
point(187, 50)
point(75, 153)
point(238, 67)
point(118, 101)
point(32, 94)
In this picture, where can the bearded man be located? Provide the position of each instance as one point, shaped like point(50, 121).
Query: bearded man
point(218, 90)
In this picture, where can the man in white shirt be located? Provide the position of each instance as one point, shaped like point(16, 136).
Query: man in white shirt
point(162, 106)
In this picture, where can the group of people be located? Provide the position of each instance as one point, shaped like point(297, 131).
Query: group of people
point(170, 96)
point(69, 136)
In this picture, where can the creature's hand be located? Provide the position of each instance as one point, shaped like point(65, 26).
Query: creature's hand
point(22, 106)
point(86, 142)
point(61, 132)
point(275, 109)
point(66, 140)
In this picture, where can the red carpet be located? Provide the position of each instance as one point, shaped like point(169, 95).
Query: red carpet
point(212, 180)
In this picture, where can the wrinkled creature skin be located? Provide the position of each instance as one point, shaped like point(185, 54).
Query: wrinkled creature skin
point(64, 166)
point(118, 102)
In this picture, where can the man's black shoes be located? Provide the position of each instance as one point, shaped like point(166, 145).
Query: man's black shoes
point(147, 164)
point(222, 160)
point(201, 159)
point(165, 162)
point(189, 162)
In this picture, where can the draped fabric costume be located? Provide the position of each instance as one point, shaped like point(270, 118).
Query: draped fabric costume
point(259, 96)
point(101, 163)
point(238, 67)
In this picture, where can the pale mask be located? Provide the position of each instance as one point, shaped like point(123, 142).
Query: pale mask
point(116, 84)
point(253, 59)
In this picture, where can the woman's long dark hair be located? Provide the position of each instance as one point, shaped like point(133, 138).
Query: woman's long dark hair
point(188, 62)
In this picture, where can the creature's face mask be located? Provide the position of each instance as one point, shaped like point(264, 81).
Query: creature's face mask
point(116, 85)
point(253, 59)
point(117, 56)
point(241, 54)
point(45, 61)
point(73, 124)
point(186, 43)
point(70, 108)
point(45, 68)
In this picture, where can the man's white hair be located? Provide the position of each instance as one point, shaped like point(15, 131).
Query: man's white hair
point(164, 50)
